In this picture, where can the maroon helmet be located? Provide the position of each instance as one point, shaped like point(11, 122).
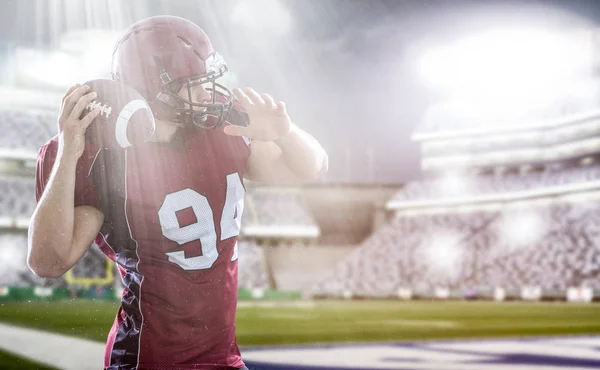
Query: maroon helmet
point(159, 55)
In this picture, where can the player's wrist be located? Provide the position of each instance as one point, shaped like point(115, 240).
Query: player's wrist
point(67, 157)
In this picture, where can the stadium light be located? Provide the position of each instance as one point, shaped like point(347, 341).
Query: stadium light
point(453, 184)
point(508, 64)
point(444, 252)
point(54, 69)
point(268, 15)
point(522, 228)
point(83, 55)
point(11, 258)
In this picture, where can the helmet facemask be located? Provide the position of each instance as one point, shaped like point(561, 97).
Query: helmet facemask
point(187, 112)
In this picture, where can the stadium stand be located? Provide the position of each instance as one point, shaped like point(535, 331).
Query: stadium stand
point(17, 198)
point(278, 212)
point(251, 266)
point(477, 251)
point(455, 117)
point(276, 207)
point(509, 182)
point(13, 254)
point(26, 131)
point(459, 251)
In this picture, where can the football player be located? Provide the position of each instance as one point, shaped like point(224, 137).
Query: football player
point(168, 211)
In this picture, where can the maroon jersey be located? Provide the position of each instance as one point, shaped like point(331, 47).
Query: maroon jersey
point(172, 218)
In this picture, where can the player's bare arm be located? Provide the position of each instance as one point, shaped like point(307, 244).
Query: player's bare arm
point(282, 153)
point(59, 233)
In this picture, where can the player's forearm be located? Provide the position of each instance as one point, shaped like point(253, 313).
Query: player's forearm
point(51, 225)
point(303, 154)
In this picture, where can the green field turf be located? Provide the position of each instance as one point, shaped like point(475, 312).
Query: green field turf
point(320, 322)
point(8, 361)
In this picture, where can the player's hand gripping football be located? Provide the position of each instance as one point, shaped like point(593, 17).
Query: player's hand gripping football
point(269, 120)
point(71, 129)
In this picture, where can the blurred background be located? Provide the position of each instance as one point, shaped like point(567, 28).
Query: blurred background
point(463, 194)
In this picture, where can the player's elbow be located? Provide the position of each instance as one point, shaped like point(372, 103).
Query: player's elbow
point(47, 274)
point(44, 267)
point(313, 173)
point(44, 271)
point(323, 167)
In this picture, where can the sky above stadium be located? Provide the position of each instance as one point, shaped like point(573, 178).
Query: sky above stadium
point(346, 67)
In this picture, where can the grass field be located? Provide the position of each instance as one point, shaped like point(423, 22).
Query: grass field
point(9, 361)
point(287, 323)
point(268, 323)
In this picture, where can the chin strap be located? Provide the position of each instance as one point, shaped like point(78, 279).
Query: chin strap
point(162, 72)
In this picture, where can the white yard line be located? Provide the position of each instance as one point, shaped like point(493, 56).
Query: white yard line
point(56, 350)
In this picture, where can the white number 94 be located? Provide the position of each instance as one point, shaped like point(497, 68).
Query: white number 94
point(203, 229)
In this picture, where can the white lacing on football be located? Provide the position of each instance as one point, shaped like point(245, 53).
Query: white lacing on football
point(104, 109)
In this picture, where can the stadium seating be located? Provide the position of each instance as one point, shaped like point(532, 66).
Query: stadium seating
point(26, 131)
point(476, 251)
point(456, 116)
point(251, 266)
point(459, 251)
point(274, 207)
point(17, 198)
point(433, 189)
point(13, 257)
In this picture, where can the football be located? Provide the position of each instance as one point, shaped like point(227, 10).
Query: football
point(125, 118)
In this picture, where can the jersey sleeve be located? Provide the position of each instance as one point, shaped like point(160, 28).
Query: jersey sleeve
point(85, 190)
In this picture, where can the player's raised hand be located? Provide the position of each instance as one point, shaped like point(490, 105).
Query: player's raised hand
point(269, 120)
point(71, 129)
